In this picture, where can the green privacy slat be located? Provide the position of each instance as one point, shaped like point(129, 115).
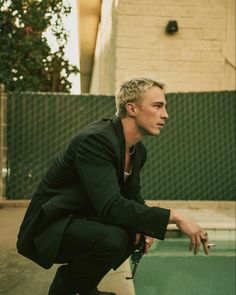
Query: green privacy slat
point(193, 158)
point(39, 126)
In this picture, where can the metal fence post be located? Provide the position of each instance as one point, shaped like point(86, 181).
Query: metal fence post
point(3, 140)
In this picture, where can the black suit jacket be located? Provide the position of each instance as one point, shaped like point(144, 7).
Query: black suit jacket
point(87, 180)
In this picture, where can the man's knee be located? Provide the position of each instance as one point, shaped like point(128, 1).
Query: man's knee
point(116, 242)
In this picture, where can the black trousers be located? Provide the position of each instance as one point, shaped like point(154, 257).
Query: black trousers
point(89, 249)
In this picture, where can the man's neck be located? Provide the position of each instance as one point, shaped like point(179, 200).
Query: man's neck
point(131, 132)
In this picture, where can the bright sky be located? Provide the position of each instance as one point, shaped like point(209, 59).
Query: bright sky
point(72, 48)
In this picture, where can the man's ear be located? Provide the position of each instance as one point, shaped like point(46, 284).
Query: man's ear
point(131, 109)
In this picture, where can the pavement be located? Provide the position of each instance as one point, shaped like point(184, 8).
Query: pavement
point(20, 276)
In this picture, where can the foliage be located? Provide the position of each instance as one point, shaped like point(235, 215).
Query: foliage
point(26, 60)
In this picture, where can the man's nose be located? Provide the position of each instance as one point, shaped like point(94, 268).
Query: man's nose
point(165, 114)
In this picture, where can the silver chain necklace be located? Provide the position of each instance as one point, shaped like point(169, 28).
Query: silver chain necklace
point(132, 151)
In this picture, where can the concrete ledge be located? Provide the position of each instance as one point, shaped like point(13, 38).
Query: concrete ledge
point(211, 215)
point(14, 203)
point(192, 204)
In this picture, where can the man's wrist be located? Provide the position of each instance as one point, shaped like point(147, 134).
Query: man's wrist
point(174, 217)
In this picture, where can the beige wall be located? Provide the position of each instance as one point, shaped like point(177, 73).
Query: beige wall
point(229, 46)
point(103, 76)
point(200, 57)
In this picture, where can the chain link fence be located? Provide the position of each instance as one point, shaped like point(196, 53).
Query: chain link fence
point(194, 157)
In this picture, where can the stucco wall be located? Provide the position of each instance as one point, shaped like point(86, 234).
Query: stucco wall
point(103, 76)
point(199, 57)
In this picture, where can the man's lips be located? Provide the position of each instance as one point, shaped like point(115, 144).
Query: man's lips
point(161, 125)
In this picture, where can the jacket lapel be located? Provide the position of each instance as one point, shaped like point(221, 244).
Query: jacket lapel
point(118, 127)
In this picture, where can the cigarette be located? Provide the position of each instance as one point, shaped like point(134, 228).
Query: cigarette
point(211, 245)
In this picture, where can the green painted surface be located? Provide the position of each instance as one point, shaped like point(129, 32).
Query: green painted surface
point(170, 269)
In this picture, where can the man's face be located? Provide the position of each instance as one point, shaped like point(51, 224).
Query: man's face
point(151, 112)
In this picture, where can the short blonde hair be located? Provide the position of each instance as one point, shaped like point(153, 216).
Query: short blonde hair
point(131, 91)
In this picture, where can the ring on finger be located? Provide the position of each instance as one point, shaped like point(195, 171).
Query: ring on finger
point(147, 241)
point(203, 240)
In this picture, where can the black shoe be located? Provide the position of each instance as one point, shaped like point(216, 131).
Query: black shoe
point(97, 292)
point(58, 288)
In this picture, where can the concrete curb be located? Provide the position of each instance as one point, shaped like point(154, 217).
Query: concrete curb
point(14, 203)
point(192, 204)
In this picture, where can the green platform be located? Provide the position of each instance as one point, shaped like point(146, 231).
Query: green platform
point(170, 269)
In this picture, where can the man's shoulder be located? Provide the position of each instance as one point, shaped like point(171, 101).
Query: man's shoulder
point(99, 129)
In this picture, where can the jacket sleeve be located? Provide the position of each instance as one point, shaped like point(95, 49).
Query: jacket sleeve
point(95, 163)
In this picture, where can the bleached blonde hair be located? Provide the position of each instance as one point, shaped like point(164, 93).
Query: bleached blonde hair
point(131, 91)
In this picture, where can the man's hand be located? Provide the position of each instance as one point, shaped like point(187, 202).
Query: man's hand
point(148, 242)
point(194, 231)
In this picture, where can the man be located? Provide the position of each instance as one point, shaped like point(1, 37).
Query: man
point(88, 213)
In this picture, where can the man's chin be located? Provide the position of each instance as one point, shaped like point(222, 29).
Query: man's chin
point(150, 132)
point(153, 132)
